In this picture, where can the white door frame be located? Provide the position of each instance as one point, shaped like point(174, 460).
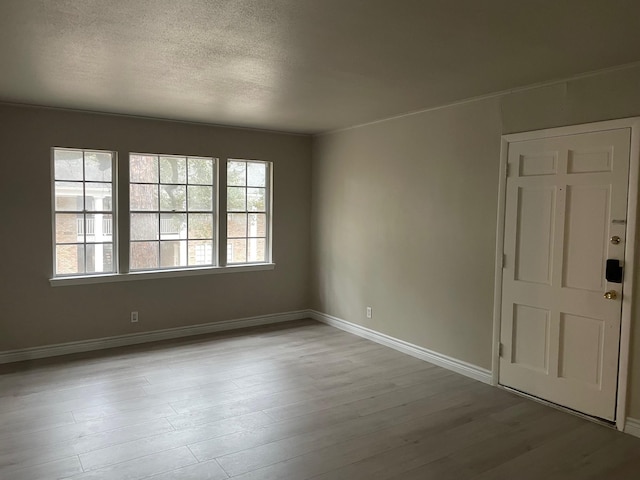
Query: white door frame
point(629, 251)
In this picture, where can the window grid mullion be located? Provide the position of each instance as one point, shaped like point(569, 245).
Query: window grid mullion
point(246, 208)
point(186, 204)
point(84, 203)
point(159, 209)
point(215, 222)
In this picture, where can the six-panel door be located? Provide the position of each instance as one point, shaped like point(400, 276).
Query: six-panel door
point(566, 198)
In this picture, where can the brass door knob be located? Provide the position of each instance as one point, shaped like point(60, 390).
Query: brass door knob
point(611, 295)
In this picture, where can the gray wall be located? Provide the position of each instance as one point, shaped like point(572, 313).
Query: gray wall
point(33, 313)
point(404, 213)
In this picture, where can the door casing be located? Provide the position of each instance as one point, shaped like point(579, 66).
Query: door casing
point(632, 204)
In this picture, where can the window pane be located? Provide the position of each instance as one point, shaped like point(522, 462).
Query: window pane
point(173, 226)
point(98, 196)
point(144, 255)
point(69, 227)
point(99, 227)
point(143, 197)
point(257, 225)
point(200, 252)
point(236, 199)
point(256, 250)
point(68, 165)
point(107, 226)
point(143, 168)
point(173, 170)
point(97, 166)
point(236, 173)
point(144, 226)
point(200, 198)
point(200, 225)
point(69, 196)
point(200, 171)
point(100, 258)
point(173, 254)
point(236, 250)
point(173, 198)
point(69, 259)
point(236, 225)
point(256, 199)
point(256, 174)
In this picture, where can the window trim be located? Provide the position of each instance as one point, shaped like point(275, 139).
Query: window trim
point(120, 273)
point(114, 213)
point(158, 274)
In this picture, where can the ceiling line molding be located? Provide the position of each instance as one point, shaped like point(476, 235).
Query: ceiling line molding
point(157, 119)
point(478, 98)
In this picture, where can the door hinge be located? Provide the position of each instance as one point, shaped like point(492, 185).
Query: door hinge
point(504, 260)
point(506, 170)
point(501, 350)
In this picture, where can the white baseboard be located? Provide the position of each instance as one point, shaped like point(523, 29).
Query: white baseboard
point(145, 337)
point(458, 366)
point(632, 427)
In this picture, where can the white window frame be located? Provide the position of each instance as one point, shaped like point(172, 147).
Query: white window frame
point(268, 211)
point(84, 212)
point(159, 212)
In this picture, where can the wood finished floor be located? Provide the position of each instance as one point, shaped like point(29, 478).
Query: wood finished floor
point(289, 402)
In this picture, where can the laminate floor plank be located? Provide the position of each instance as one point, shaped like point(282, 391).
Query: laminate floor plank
point(291, 401)
point(55, 470)
point(43, 450)
point(169, 440)
point(13, 442)
point(441, 469)
point(16, 425)
point(142, 467)
point(200, 471)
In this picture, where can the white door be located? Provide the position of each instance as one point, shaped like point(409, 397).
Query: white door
point(566, 201)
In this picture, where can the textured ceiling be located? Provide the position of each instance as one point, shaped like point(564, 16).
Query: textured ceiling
point(298, 65)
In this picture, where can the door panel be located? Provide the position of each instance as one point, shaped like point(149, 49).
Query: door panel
point(530, 337)
point(566, 196)
point(580, 356)
point(587, 218)
point(590, 161)
point(543, 164)
point(536, 207)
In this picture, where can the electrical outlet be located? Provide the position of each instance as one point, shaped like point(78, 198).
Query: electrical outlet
point(369, 313)
point(134, 317)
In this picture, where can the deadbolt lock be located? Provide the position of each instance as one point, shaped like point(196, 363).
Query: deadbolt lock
point(615, 240)
point(611, 295)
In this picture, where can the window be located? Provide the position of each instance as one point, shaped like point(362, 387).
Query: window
point(83, 217)
point(172, 205)
point(173, 216)
point(248, 207)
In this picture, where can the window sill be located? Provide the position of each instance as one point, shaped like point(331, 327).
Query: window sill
point(128, 277)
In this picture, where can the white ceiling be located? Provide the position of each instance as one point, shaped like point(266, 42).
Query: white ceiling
point(298, 65)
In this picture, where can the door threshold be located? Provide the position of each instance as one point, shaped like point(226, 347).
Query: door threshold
point(598, 420)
